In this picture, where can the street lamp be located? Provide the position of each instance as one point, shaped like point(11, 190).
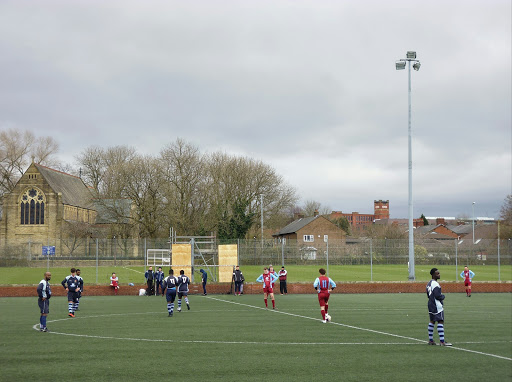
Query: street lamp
point(400, 64)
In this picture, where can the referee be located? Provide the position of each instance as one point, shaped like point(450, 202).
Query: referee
point(44, 292)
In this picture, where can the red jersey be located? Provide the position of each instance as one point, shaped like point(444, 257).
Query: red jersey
point(114, 281)
point(282, 274)
point(324, 283)
point(266, 280)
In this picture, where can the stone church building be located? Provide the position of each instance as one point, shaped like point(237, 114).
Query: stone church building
point(44, 207)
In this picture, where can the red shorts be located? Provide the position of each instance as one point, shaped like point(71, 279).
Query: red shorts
point(467, 283)
point(323, 298)
point(268, 290)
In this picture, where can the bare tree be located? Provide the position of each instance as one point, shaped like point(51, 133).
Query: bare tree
point(17, 149)
point(184, 187)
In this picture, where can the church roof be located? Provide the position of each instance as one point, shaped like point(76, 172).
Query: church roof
point(73, 189)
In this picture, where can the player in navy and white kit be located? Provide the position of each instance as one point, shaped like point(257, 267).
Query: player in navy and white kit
point(324, 285)
point(183, 282)
point(44, 293)
point(70, 283)
point(435, 308)
point(169, 290)
point(81, 286)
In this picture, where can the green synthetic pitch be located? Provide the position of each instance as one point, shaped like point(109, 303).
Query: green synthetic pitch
point(296, 273)
point(377, 337)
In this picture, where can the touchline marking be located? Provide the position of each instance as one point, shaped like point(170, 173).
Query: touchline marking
point(359, 328)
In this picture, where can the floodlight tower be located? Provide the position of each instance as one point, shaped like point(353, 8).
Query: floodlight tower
point(400, 64)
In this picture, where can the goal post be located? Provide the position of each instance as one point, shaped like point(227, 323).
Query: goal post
point(158, 257)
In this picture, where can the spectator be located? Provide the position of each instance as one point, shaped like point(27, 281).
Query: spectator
point(159, 278)
point(238, 278)
point(114, 282)
point(204, 278)
point(150, 276)
point(282, 281)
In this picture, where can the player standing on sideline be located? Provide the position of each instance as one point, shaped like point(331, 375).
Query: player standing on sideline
point(238, 278)
point(150, 275)
point(44, 292)
point(169, 289)
point(467, 275)
point(324, 285)
point(282, 281)
point(70, 283)
point(183, 282)
point(204, 279)
point(268, 280)
point(159, 278)
point(435, 308)
point(114, 282)
point(80, 285)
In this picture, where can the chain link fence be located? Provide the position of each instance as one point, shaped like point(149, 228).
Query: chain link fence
point(119, 251)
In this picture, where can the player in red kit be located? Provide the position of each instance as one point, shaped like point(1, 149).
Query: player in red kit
point(268, 279)
point(324, 285)
point(467, 275)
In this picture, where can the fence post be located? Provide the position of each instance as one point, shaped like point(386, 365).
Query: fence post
point(282, 250)
point(456, 264)
point(97, 261)
point(371, 261)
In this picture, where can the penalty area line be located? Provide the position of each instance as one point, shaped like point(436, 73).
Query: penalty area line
point(359, 328)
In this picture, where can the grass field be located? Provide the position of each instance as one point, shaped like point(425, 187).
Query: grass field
point(296, 273)
point(226, 338)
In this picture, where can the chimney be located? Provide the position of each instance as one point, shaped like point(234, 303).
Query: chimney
point(315, 213)
point(440, 221)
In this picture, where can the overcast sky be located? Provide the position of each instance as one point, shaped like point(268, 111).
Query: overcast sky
point(309, 87)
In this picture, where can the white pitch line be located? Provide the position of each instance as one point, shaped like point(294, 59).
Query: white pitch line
point(133, 270)
point(363, 329)
point(36, 327)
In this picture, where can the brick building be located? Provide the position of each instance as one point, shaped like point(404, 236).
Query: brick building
point(359, 221)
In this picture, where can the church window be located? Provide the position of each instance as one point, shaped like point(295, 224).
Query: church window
point(32, 207)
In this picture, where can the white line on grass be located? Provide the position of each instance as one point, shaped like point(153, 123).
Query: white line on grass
point(133, 270)
point(358, 328)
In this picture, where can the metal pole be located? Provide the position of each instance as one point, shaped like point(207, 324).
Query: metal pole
point(456, 250)
point(97, 268)
point(411, 228)
point(499, 270)
point(473, 209)
point(327, 241)
point(261, 206)
point(282, 250)
point(371, 261)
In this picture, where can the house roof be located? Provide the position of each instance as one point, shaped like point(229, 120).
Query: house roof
point(295, 225)
point(73, 189)
point(461, 229)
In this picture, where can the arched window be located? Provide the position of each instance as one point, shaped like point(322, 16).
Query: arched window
point(32, 207)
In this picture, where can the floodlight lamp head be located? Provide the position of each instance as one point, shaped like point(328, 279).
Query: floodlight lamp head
point(416, 66)
point(400, 65)
point(411, 55)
